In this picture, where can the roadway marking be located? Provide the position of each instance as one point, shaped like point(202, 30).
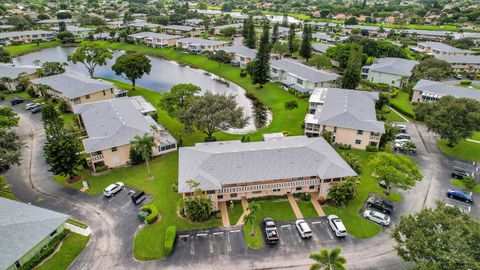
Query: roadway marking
point(210, 245)
point(233, 231)
point(286, 226)
point(192, 246)
point(298, 237)
point(202, 234)
point(217, 233)
point(229, 247)
point(330, 234)
point(183, 236)
point(316, 222)
point(281, 241)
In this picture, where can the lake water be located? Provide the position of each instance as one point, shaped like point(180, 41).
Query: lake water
point(163, 76)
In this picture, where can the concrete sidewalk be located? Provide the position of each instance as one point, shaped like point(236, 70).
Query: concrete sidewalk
point(293, 203)
point(223, 209)
point(245, 211)
point(316, 205)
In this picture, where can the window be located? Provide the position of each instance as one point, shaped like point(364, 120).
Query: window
point(87, 96)
point(257, 192)
point(359, 132)
point(104, 92)
point(274, 70)
point(166, 147)
point(298, 188)
point(358, 141)
point(299, 81)
point(53, 233)
point(311, 187)
point(276, 190)
point(111, 91)
point(220, 196)
point(211, 192)
point(335, 129)
point(17, 264)
point(114, 149)
point(233, 195)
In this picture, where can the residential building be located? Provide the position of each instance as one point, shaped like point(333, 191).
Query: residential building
point(111, 126)
point(349, 114)
point(115, 24)
point(474, 36)
point(374, 31)
point(25, 231)
point(300, 77)
point(328, 38)
point(78, 32)
point(157, 40)
point(199, 45)
point(142, 24)
point(184, 30)
point(320, 47)
point(76, 88)
point(438, 48)
point(426, 90)
point(241, 55)
point(194, 22)
point(427, 35)
point(463, 63)
point(282, 31)
point(324, 26)
point(19, 37)
point(390, 70)
point(139, 16)
point(55, 22)
point(340, 16)
point(232, 170)
point(15, 73)
point(217, 30)
point(6, 27)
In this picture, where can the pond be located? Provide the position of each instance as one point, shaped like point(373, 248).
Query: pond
point(163, 76)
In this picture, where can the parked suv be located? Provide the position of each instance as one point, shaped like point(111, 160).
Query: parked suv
point(113, 189)
point(402, 136)
point(376, 202)
point(461, 173)
point(337, 226)
point(303, 228)
point(376, 217)
point(16, 101)
point(271, 233)
point(459, 195)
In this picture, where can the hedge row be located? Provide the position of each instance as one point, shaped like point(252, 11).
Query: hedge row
point(402, 111)
point(153, 213)
point(44, 253)
point(77, 223)
point(170, 236)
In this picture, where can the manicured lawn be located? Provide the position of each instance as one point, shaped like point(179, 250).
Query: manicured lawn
point(476, 136)
point(307, 209)
point(18, 50)
point(460, 184)
point(464, 150)
point(72, 246)
point(6, 192)
point(253, 242)
point(23, 95)
point(356, 225)
point(234, 212)
point(402, 103)
point(393, 116)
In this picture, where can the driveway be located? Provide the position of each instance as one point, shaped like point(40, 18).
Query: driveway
point(114, 224)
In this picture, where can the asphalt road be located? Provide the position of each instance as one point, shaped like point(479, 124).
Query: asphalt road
point(114, 225)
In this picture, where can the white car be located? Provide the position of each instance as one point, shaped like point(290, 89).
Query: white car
point(31, 106)
point(402, 128)
point(303, 228)
point(400, 141)
point(113, 189)
point(402, 136)
point(337, 226)
point(377, 217)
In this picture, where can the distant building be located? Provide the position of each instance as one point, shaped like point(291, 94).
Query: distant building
point(241, 55)
point(6, 27)
point(157, 40)
point(217, 30)
point(79, 32)
point(184, 30)
point(194, 22)
point(321, 47)
point(438, 48)
point(20, 37)
point(463, 63)
point(199, 45)
point(425, 91)
point(327, 38)
point(55, 22)
point(349, 114)
point(390, 70)
point(340, 16)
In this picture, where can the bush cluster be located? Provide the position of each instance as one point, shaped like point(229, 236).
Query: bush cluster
point(152, 211)
point(170, 236)
point(371, 148)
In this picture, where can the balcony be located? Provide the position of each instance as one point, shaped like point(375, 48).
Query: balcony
point(96, 158)
point(374, 138)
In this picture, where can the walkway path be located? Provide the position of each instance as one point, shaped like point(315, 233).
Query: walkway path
point(293, 203)
point(474, 141)
point(223, 209)
point(245, 211)
point(399, 114)
point(316, 205)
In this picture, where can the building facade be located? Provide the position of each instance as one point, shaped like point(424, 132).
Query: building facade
point(427, 91)
point(390, 71)
point(20, 37)
point(199, 45)
point(156, 40)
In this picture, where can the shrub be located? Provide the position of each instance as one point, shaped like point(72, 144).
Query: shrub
point(394, 93)
point(44, 253)
point(170, 235)
point(181, 207)
point(243, 73)
point(469, 182)
point(344, 146)
point(63, 106)
point(174, 187)
point(152, 211)
point(2, 97)
point(31, 92)
point(135, 157)
point(353, 161)
point(154, 116)
point(401, 110)
point(465, 82)
point(371, 148)
point(305, 196)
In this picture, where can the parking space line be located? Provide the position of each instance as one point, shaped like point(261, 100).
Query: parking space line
point(298, 236)
point(202, 234)
point(183, 235)
point(234, 231)
point(192, 246)
point(281, 241)
point(229, 247)
point(330, 234)
point(286, 226)
point(210, 245)
point(316, 222)
point(217, 233)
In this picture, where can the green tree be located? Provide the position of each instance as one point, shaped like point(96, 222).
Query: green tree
point(51, 68)
point(228, 32)
point(211, 113)
point(51, 119)
point(441, 238)
point(8, 118)
point(10, 149)
point(91, 56)
point(306, 47)
point(280, 48)
point(275, 35)
point(291, 39)
point(143, 146)
point(352, 74)
point(132, 66)
point(319, 61)
point(5, 56)
point(254, 208)
point(431, 69)
point(344, 191)
point(220, 56)
point(389, 135)
point(250, 221)
point(66, 37)
point(178, 98)
point(351, 21)
point(328, 260)
point(198, 207)
point(261, 70)
point(251, 35)
point(397, 171)
point(463, 43)
point(202, 5)
point(454, 119)
point(289, 106)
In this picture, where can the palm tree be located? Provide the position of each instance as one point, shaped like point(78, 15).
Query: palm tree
point(7, 83)
point(253, 208)
point(328, 260)
point(290, 105)
point(143, 145)
point(250, 220)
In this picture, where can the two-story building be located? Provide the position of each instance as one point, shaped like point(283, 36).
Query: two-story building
point(232, 170)
point(241, 55)
point(111, 125)
point(300, 77)
point(157, 40)
point(199, 45)
point(438, 48)
point(217, 30)
point(78, 32)
point(460, 63)
point(328, 38)
point(390, 70)
point(426, 91)
point(20, 37)
point(15, 73)
point(348, 114)
point(184, 30)
point(76, 88)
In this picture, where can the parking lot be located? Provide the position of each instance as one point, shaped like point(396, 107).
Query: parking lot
point(122, 203)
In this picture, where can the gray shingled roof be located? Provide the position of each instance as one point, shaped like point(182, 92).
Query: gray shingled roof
point(12, 71)
point(442, 47)
point(396, 66)
point(201, 41)
point(73, 28)
point(22, 227)
point(179, 27)
point(24, 33)
point(154, 35)
point(320, 47)
point(55, 21)
point(351, 109)
point(242, 51)
point(235, 25)
point(303, 71)
point(460, 59)
point(442, 89)
point(217, 164)
point(72, 84)
point(111, 123)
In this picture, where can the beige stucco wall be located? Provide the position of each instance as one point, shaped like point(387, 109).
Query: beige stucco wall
point(101, 95)
point(349, 136)
point(416, 96)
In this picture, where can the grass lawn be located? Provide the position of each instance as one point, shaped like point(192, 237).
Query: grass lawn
point(460, 184)
point(402, 102)
point(356, 225)
point(72, 246)
point(5, 192)
point(234, 212)
point(476, 136)
point(464, 150)
point(393, 116)
point(307, 209)
point(17, 50)
point(253, 242)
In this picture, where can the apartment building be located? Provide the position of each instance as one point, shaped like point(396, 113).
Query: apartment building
point(184, 30)
point(320, 47)
point(349, 114)
point(241, 55)
point(78, 32)
point(55, 22)
point(390, 70)
point(76, 88)
point(438, 48)
point(373, 31)
point(328, 38)
point(426, 91)
point(300, 77)
point(157, 40)
point(461, 63)
point(232, 170)
point(20, 37)
point(199, 45)
point(217, 30)
point(112, 124)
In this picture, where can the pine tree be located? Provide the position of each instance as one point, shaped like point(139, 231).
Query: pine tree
point(291, 37)
point(306, 48)
point(251, 40)
point(261, 68)
point(351, 76)
point(245, 29)
point(285, 20)
point(275, 33)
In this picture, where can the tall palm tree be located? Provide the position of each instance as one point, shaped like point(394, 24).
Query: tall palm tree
point(253, 208)
point(250, 220)
point(328, 260)
point(290, 105)
point(143, 145)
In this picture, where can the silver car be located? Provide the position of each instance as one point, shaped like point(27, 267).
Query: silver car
point(113, 189)
point(337, 226)
point(303, 228)
point(377, 217)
